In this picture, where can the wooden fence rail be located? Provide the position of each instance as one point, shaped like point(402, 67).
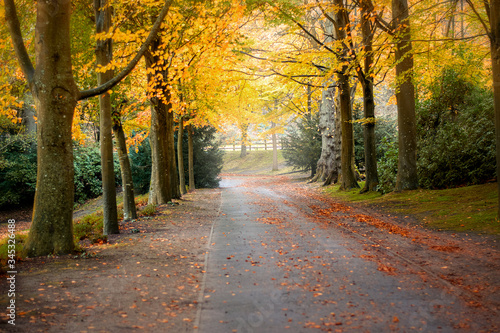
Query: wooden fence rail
point(258, 145)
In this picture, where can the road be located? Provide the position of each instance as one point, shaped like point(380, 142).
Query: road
point(273, 267)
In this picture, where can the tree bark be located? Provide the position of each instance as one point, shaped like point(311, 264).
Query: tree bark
point(190, 157)
point(328, 165)
point(495, 61)
point(275, 148)
point(244, 139)
point(104, 56)
point(55, 94)
point(366, 80)
point(349, 179)
point(180, 156)
point(407, 178)
point(129, 208)
point(160, 191)
point(171, 156)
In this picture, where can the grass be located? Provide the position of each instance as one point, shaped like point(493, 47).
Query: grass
point(257, 162)
point(4, 250)
point(463, 209)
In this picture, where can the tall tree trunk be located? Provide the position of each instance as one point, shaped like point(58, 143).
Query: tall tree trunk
point(407, 178)
point(244, 139)
point(328, 167)
point(174, 175)
point(160, 191)
point(104, 55)
point(349, 179)
point(495, 61)
point(56, 95)
point(180, 156)
point(275, 148)
point(190, 157)
point(366, 80)
point(129, 208)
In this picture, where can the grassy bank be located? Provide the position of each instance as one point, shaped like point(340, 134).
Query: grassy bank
point(464, 209)
point(257, 162)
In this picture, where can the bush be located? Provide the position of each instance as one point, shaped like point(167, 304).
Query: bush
point(88, 177)
point(4, 247)
point(302, 144)
point(385, 132)
point(17, 169)
point(89, 227)
point(388, 165)
point(148, 210)
point(456, 133)
point(207, 157)
point(207, 160)
point(140, 165)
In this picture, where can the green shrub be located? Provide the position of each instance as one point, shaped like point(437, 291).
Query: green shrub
point(89, 227)
point(456, 134)
point(140, 165)
point(17, 169)
point(148, 210)
point(4, 245)
point(302, 144)
point(388, 165)
point(207, 157)
point(88, 177)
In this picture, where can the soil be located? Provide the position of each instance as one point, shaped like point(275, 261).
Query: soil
point(150, 276)
point(147, 277)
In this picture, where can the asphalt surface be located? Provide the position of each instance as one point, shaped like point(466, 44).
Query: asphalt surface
point(271, 268)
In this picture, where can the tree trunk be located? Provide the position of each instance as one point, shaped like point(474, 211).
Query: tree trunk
point(349, 179)
point(171, 156)
point(160, 191)
point(495, 61)
point(407, 178)
point(275, 148)
point(328, 166)
point(244, 139)
point(190, 157)
point(104, 55)
point(27, 114)
point(129, 209)
point(366, 80)
point(180, 156)
point(56, 95)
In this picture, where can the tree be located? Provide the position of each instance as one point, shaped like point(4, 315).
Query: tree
point(104, 56)
point(365, 77)
point(302, 145)
point(56, 95)
point(492, 29)
point(407, 178)
point(129, 208)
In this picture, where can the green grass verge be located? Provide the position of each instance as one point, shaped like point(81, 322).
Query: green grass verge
point(257, 162)
point(463, 209)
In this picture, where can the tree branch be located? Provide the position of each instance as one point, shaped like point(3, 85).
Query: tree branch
point(485, 26)
point(17, 40)
point(117, 79)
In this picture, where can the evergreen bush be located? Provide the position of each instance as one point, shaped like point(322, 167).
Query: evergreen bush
point(302, 144)
point(17, 169)
point(456, 133)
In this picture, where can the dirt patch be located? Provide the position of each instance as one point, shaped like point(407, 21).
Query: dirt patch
point(146, 278)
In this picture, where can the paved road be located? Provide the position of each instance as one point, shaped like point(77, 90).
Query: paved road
point(272, 268)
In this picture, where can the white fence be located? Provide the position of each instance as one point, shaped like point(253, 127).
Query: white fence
point(258, 145)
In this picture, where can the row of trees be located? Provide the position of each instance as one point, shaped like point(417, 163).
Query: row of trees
point(219, 62)
point(185, 46)
point(330, 47)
